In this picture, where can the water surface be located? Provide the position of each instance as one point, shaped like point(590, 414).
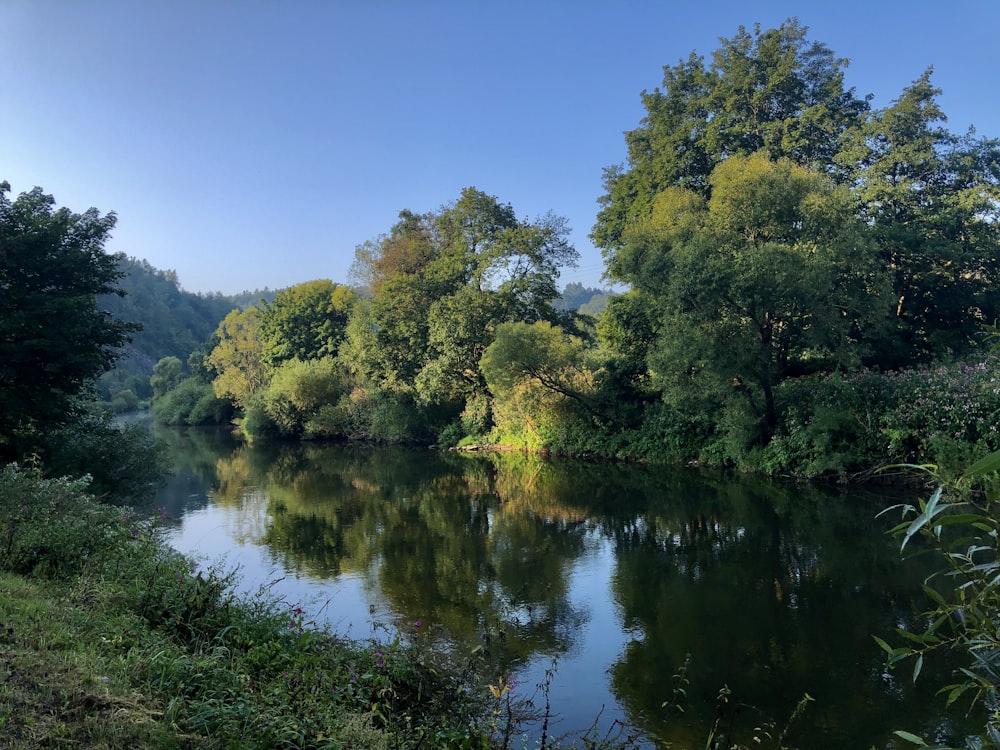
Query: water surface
point(607, 577)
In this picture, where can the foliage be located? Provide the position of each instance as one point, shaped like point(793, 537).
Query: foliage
point(539, 377)
point(305, 321)
point(960, 524)
point(844, 424)
point(192, 402)
point(946, 413)
point(298, 390)
point(772, 91)
point(933, 201)
point(174, 322)
point(770, 278)
point(124, 462)
point(238, 358)
point(54, 339)
point(772, 227)
point(442, 282)
point(167, 374)
point(51, 527)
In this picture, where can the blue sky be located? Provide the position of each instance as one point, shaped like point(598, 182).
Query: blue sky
point(247, 143)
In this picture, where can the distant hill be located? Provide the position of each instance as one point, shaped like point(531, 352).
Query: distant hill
point(174, 322)
point(578, 298)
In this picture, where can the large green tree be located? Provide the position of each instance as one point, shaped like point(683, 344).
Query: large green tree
point(305, 321)
point(933, 200)
point(774, 276)
point(442, 282)
point(238, 357)
point(54, 339)
point(770, 91)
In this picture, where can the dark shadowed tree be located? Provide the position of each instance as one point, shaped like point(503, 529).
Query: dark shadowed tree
point(933, 200)
point(54, 339)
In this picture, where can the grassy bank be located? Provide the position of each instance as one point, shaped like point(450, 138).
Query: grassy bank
point(108, 639)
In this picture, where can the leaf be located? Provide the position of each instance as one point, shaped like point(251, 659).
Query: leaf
point(986, 465)
point(912, 738)
point(917, 667)
point(932, 508)
point(955, 693)
point(883, 645)
point(934, 596)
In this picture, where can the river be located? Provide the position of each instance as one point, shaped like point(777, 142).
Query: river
point(602, 580)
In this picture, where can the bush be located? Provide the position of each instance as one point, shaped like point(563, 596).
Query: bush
point(191, 402)
point(53, 527)
point(124, 462)
point(944, 414)
point(124, 402)
point(299, 390)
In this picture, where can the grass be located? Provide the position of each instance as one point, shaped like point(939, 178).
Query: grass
point(60, 685)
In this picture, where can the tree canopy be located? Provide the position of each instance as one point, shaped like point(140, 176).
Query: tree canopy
point(770, 91)
point(305, 321)
point(54, 339)
point(772, 276)
point(442, 282)
point(778, 226)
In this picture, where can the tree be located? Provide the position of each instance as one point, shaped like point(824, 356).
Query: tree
point(541, 378)
point(933, 200)
point(238, 357)
point(627, 330)
point(305, 321)
point(772, 91)
point(442, 282)
point(298, 390)
point(167, 374)
point(772, 277)
point(54, 339)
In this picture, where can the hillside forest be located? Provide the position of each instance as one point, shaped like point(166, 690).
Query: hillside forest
point(811, 290)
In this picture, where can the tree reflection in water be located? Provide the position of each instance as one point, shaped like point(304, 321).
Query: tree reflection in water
point(773, 591)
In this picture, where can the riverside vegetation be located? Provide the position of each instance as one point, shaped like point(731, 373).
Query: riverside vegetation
point(809, 287)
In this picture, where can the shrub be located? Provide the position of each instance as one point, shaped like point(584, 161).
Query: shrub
point(124, 462)
point(191, 402)
point(53, 527)
point(299, 390)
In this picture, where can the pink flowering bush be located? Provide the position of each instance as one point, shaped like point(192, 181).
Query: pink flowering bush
point(944, 414)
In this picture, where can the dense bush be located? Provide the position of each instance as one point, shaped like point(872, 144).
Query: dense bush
point(191, 402)
point(124, 461)
point(52, 527)
point(837, 424)
point(298, 390)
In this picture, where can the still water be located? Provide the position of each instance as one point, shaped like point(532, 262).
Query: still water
point(607, 578)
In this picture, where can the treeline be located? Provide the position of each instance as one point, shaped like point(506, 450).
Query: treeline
point(171, 323)
point(810, 284)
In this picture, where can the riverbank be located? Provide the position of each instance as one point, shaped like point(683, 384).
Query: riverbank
point(110, 639)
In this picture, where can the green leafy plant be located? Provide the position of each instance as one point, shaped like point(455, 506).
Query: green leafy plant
point(960, 521)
